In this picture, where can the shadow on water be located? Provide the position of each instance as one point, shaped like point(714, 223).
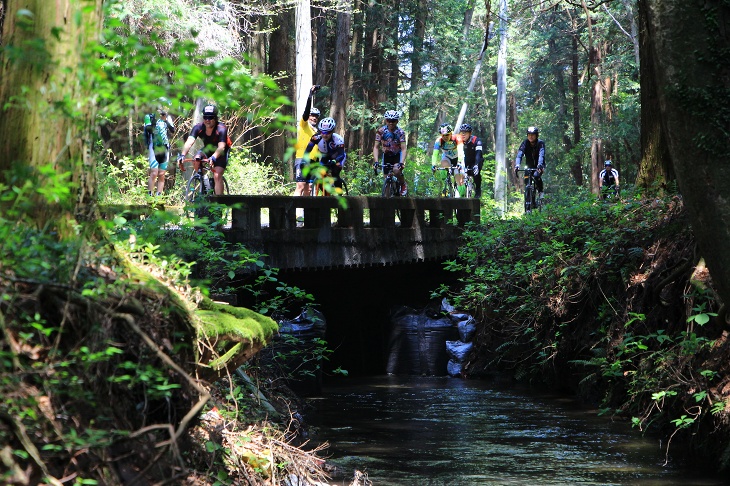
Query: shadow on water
point(413, 430)
point(445, 431)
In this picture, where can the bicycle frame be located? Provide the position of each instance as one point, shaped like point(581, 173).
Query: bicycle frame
point(391, 185)
point(195, 189)
point(531, 199)
point(318, 184)
point(449, 189)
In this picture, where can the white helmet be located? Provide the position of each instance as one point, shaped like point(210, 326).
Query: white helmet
point(327, 124)
point(392, 115)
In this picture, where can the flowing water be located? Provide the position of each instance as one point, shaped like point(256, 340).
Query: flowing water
point(445, 431)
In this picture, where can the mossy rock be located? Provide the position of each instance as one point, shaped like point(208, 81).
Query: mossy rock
point(230, 336)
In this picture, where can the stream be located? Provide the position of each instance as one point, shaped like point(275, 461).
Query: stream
point(412, 430)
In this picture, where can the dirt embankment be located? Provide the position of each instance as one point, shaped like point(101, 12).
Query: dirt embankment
point(627, 319)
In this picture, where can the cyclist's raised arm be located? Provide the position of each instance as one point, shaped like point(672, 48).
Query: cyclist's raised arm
point(308, 105)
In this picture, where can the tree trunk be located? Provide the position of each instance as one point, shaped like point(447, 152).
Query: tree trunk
point(46, 134)
point(419, 34)
point(303, 46)
point(655, 168)
point(576, 168)
point(340, 99)
point(280, 56)
point(692, 100)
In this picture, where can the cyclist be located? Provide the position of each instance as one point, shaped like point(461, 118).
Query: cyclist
point(157, 131)
point(473, 158)
point(446, 152)
point(305, 131)
point(533, 150)
point(608, 178)
point(215, 145)
point(392, 138)
point(331, 146)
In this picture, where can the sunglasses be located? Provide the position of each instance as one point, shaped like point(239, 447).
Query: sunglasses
point(324, 132)
point(208, 118)
point(391, 120)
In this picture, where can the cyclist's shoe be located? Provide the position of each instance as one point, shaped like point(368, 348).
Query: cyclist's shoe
point(403, 189)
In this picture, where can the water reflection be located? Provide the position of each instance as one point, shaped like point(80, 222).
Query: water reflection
point(442, 431)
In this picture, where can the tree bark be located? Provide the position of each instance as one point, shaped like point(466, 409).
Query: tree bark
point(576, 168)
point(340, 88)
point(692, 100)
point(50, 84)
point(280, 64)
point(419, 34)
point(656, 167)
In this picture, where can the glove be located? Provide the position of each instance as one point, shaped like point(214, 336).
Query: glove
point(179, 158)
point(375, 168)
point(433, 169)
point(517, 169)
point(475, 170)
point(212, 159)
point(540, 167)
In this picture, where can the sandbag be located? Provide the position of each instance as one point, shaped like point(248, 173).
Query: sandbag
point(417, 343)
point(458, 350)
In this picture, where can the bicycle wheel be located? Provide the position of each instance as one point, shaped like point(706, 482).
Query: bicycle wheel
point(529, 197)
point(451, 188)
point(469, 189)
point(537, 201)
point(192, 195)
point(385, 192)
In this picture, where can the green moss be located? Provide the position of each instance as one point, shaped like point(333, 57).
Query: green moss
point(234, 322)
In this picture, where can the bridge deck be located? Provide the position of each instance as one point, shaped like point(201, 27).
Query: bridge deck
point(367, 231)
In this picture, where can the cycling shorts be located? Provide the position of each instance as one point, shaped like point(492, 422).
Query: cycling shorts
point(159, 160)
point(448, 162)
point(391, 159)
point(221, 161)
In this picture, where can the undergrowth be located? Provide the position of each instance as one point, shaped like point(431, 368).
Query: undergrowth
point(100, 354)
point(610, 301)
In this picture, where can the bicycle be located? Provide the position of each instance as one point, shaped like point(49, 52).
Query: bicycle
point(469, 189)
point(609, 192)
point(318, 188)
point(449, 189)
point(532, 201)
point(198, 188)
point(391, 185)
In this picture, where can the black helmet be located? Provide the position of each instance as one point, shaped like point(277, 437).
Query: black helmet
point(533, 130)
point(210, 110)
point(465, 128)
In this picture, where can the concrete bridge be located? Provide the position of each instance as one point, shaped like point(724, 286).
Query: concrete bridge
point(365, 231)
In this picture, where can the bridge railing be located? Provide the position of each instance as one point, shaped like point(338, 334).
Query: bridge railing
point(253, 214)
point(366, 231)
